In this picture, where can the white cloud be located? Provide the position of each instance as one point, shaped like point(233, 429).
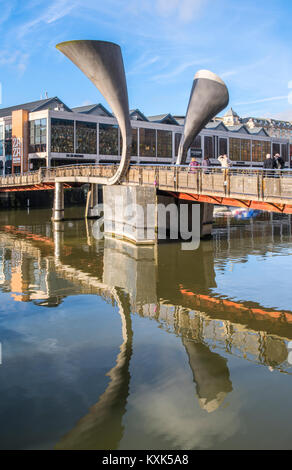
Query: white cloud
point(179, 69)
point(263, 100)
point(185, 10)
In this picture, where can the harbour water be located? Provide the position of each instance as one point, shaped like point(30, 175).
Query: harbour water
point(105, 345)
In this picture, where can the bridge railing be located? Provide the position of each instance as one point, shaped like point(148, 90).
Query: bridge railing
point(248, 183)
point(257, 184)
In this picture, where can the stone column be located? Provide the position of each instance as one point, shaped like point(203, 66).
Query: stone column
point(58, 210)
point(130, 213)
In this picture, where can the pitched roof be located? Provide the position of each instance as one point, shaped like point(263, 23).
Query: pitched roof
point(258, 130)
point(90, 108)
point(32, 106)
point(238, 128)
point(216, 125)
point(139, 113)
point(163, 118)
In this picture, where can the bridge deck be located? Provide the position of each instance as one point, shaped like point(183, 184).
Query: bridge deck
point(263, 189)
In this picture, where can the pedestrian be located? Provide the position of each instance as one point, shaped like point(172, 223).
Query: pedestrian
point(269, 164)
point(205, 164)
point(279, 161)
point(225, 164)
point(224, 161)
point(193, 164)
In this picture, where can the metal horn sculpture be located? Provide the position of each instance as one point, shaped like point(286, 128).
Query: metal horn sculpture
point(102, 63)
point(209, 95)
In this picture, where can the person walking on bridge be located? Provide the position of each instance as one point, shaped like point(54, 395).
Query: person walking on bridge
point(269, 164)
point(193, 164)
point(279, 161)
point(224, 160)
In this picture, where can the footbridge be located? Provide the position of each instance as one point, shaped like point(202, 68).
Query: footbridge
point(269, 190)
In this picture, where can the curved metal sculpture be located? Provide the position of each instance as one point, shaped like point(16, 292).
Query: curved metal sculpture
point(209, 95)
point(102, 63)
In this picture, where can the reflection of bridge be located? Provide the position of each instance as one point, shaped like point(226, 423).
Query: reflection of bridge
point(131, 277)
point(183, 304)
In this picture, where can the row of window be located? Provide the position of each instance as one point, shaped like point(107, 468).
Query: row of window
point(152, 142)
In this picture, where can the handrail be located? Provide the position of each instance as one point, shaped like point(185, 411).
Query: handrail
point(257, 184)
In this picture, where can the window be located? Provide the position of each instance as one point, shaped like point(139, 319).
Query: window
point(257, 151)
point(134, 141)
point(1, 140)
point(8, 140)
point(208, 147)
point(108, 139)
point(275, 148)
point(164, 144)
point(62, 136)
point(177, 139)
point(86, 136)
point(38, 136)
point(222, 146)
point(234, 148)
point(284, 152)
point(147, 142)
point(134, 148)
point(245, 150)
point(266, 147)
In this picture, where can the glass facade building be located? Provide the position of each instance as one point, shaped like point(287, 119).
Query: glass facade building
point(62, 135)
point(38, 135)
point(108, 139)
point(86, 137)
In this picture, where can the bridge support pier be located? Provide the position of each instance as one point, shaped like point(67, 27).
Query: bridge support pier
point(130, 213)
point(141, 215)
point(58, 210)
point(94, 197)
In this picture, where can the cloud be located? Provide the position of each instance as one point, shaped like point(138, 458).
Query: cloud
point(179, 69)
point(185, 10)
point(263, 100)
point(142, 64)
point(57, 10)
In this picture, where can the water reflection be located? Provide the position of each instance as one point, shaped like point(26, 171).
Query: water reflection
point(45, 264)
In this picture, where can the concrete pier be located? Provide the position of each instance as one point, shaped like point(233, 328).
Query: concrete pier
point(58, 210)
point(139, 214)
point(130, 213)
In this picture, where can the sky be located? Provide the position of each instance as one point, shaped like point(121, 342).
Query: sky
point(164, 43)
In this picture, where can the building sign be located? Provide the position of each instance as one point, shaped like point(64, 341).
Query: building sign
point(196, 153)
point(17, 150)
point(19, 141)
point(74, 155)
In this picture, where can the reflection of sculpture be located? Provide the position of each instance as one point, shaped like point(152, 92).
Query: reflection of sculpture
point(102, 63)
point(102, 427)
point(209, 95)
point(210, 373)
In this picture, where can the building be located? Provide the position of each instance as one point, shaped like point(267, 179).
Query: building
point(47, 133)
point(274, 127)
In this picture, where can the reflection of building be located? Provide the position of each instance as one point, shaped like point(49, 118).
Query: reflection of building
point(49, 133)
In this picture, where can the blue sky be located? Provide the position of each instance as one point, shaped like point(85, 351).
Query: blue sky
point(164, 42)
